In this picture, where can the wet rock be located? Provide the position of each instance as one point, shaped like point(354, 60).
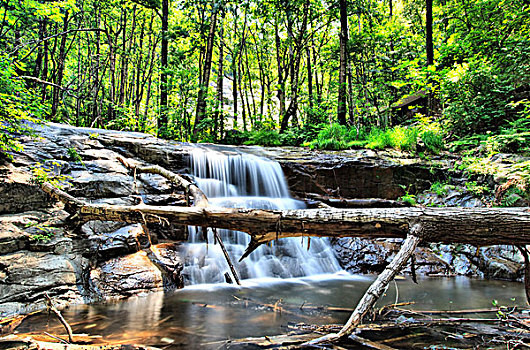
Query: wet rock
point(26, 276)
point(454, 197)
point(106, 242)
point(358, 255)
point(17, 193)
point(144, 271)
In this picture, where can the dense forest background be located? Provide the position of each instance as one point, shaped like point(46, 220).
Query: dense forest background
point(408, 74)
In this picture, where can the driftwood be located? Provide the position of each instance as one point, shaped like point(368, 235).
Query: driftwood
point(376, 289)
point(340, 202)
point(14, 342)
point(57, 313)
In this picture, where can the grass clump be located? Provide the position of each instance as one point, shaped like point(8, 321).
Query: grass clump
point(264, 138)
point(399, 137)
point(332, 137)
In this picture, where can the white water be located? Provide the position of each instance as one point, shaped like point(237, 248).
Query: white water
point(238, 180)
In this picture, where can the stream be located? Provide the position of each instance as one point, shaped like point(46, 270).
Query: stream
point(208, 313)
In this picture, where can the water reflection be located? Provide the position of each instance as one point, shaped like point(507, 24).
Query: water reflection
point(193, 316)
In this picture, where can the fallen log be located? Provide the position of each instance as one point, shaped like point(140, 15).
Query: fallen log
point(376, 289)
point(340, 202)
point(477, 226)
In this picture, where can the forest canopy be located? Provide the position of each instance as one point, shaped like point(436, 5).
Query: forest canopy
point(340, 74)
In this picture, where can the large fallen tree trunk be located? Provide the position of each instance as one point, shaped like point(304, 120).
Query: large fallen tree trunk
point(477, 226)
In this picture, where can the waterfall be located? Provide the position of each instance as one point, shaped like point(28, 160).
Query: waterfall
point(239, 180)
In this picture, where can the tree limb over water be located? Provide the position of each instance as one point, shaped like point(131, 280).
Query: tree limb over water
point(477, 226)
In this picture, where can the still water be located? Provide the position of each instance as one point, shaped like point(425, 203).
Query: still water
point(196, 315)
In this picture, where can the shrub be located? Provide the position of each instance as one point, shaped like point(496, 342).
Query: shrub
point(19, 108)
point(403, 138)
point(235, 137)
point(433, 140)
point(378, 139)
point(332, 137)
point(264, 138)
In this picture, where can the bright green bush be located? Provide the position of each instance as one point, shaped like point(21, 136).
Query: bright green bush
point(403, 138)
point(378, 139)
point(264, 138)
point(332, 137)
point(433, 140)
point(19, 109)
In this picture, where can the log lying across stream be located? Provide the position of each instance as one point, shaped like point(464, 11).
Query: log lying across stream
point(477, 226)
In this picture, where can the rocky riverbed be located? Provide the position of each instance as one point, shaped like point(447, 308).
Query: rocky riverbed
point(41, 252)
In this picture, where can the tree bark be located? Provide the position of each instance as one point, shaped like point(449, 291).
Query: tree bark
point(218, 115)
point(477, 226)
point(341, 105)
point(60, 68)
point(205, 80)
point(428, 32)
point(163, 121)
point(295, 70)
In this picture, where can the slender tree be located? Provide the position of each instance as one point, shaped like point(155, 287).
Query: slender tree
point(343, 42)
point(163, 120)
point(428, 32)
point(205, 74)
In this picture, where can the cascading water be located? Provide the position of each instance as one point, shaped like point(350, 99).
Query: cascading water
point(239, 180)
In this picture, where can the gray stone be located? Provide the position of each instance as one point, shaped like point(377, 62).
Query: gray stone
point(28, 275)
point(12, 238)
point(144, 271)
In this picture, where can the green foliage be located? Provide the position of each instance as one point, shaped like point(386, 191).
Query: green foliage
point(512, 196)
point(264, 138)
point(73, 155)
point(45, 232)
point(18, 108)
point(235, 137)
point(42, 173)
point(478, 84)
point(205, 131)
point(331, 137)
point(409, 199)
point(440, 188)
point(476, 189)
point(378, 139)
point(399, 137)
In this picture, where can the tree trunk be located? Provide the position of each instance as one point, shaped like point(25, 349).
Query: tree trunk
point(124, 55)
point(310, 86)
point(341, 105)
point(218, 115)
point(281, 77)
point(96, 110)
point(203, 86)
point(428, 32)
point(163, 121)
point(295, 72)
point(60, 68)
point(477, 226)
